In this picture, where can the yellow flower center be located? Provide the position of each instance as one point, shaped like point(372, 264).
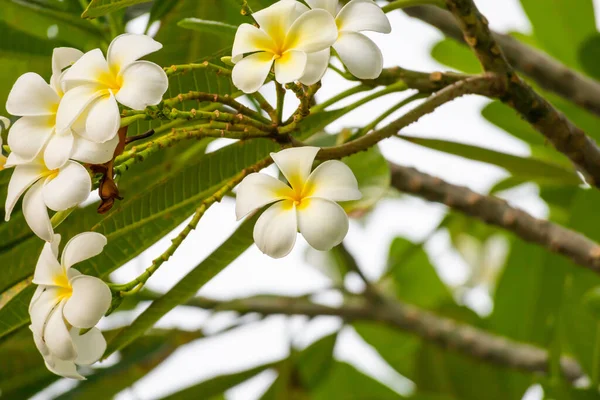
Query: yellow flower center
point(51, 174)
point(65, 290)
point(111, 80)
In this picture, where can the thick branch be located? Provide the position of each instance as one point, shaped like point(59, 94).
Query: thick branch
point(495, 211)
point(444, 332)
point(566, 137)
point(547, 72)
point(421, 81)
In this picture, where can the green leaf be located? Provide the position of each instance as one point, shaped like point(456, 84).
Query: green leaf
point(135, 362)
point(217, 385)
point(554, 29)
point(216, 27)
point(412, 276)
point(372, 172)
point(187, 287)
point(592, 301)
point(531, 169)
point(589, 54)
point(314, 362)
point(346, 382)
point(98, 8)
point(455, 55)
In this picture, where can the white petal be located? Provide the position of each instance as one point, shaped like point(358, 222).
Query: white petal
point(333, 180)
point(63, 57)
point(361, 15)
point(250, 73)
point(4, 125)
point(40, 309)
point(82, 247)
point(295, 164)
point(23, 177)
point(29, 134)
point(102, 120)
point(63, 368)
point(57, 337)
point(73, 104)
point(249, 39)
point(257, 190)
point(144, 84)
point(59, 150)
point(14, 159)
point(69, 188)
point(359, 54)
point(329, 5)
point(36, 295)
point(89, 152)
point(39, 343)
point(277, 19)
point(36, 213)
point(128, 47)
point(316, 66)
point(31, 96)
point(90, 68)
point(90, 346)
point(290, 67)
point(48, 270)
point(89, 302)
point(323, 223)
point(315, 30)
point(275, 231)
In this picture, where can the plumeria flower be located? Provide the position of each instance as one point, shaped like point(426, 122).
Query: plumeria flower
point(57, 189)
point(359, 54)
point(286, 36)
point(4, 124)
point(308, 206)
point(67, 301)
point(37, 102)
point(95, 84)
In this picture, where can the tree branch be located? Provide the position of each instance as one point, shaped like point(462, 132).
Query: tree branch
point(495, 211)
point(566, 137)
point(546, 71)
point(444, 332)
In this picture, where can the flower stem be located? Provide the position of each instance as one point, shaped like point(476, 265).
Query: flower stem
point(138, 282)
point(280, 90)
point(389, 112)
point(339, 97)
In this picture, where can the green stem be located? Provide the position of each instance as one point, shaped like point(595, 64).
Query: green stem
point(138, 282)
point(393, 88)
point(389, 112)
point(126, 121)
point(394, 5)
point(60, 216)
point(218, 116)
point(265, 105)
point(280, 90)
point(339, 97)
point(183, 68)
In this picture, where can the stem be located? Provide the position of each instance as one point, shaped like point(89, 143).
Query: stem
point(389, 112)
point(340, 96)
point(265, 105)
point(60, 216)
point(280, 90)
point(183, 68)
point(218, 116)
point(126, 121)
point(484, 84)
point(398, 4)
point(138, 282)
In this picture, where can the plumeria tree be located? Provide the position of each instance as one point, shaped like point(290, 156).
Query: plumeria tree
point(108, 145)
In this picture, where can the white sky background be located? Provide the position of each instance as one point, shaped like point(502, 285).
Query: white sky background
point(408, 46)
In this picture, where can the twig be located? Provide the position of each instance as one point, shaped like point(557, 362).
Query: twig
point(496, 211)
point(444, 332)
point(546, 71)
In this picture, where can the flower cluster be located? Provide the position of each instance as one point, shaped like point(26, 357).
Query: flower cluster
point(297, 42)
point(73, 119)
point(67, 301)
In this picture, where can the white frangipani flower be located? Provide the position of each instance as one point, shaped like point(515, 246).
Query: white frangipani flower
point(57, 189)
point(359, 54)
point(308, 206)
point(4, 124)
point(67, 301)
point(37, 102)
point(288, 33)
point(95, 84)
